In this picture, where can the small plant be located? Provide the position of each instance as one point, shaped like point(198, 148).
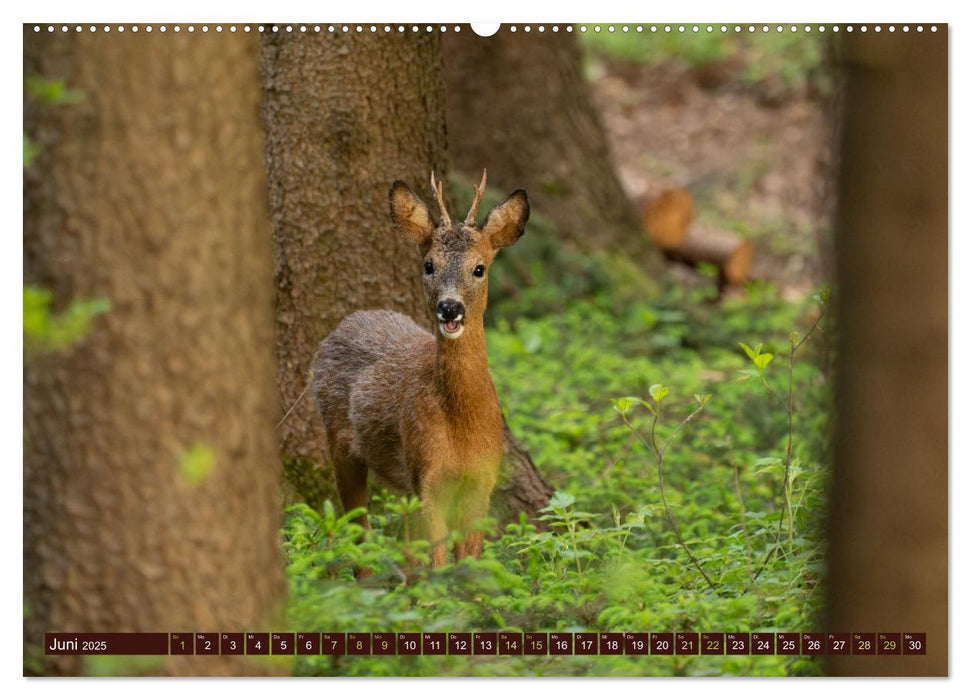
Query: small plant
point(658, 449)
point(791, 467)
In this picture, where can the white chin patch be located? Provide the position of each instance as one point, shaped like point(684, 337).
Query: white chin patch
point(452, 333)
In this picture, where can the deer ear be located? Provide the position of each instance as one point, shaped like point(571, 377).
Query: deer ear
point(409, 214)
point(507, 220)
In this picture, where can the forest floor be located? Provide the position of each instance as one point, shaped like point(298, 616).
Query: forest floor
point(689, 494)
point(756, 155)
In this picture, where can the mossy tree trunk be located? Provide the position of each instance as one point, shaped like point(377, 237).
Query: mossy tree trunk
point(151, 465)
point(346, 115)
point(889, 522)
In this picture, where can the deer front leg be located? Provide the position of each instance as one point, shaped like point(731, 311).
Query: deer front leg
point(470, 546)
point(477, 507)
point(436, 532)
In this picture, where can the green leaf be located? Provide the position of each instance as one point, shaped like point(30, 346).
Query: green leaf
point(623, 404)
point(36, 311)
point(763, 360)
point(750, 352)
point(197, 462)
point(31, 151)
point(52, 92)
point(658, 392)
point(702, 399)
point(45, 330)
point(561, 499)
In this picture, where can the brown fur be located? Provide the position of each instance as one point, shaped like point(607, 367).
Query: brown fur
point(420, 411)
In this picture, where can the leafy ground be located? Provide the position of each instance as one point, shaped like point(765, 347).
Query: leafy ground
point(572, 385)
point(687, 439)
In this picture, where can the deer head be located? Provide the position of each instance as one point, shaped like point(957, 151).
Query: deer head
point(457, 255)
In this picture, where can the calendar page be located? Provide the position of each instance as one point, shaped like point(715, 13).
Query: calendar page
point(525, 349)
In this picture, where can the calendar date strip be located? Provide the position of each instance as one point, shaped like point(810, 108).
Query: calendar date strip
point(488, 643)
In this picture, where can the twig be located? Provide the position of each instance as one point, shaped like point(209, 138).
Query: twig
point(788, 461)
point(623, 453)
point(310, 379)
point(659, 457)
point(744, 525)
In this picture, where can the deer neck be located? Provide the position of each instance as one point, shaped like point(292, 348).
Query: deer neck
point(468, 394)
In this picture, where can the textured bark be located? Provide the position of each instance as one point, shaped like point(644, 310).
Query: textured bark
point(521, 488)
point(519, 105)
point(888, 546)
point(151, 192)
point(346, 115)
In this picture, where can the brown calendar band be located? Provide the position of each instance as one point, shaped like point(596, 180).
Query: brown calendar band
point(488, 643)
point(86, 644)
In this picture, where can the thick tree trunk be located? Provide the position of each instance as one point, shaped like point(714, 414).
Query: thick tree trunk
point(519, 105)
point(521, 488)
point(151, 192)
point(888, 545)
point(345, 116)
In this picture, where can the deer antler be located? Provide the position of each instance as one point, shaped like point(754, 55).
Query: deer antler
point(437, 190)
point(470, 219)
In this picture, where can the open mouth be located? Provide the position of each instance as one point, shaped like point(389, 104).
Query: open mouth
point(452, 329)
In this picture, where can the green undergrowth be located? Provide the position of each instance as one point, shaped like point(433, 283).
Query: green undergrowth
point(684, 501)
point(795, 58)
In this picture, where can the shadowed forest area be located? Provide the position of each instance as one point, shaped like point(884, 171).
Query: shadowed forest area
point(668, 340)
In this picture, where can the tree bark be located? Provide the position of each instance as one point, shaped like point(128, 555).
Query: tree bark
point(889, 525)
point(519, 105)
point(345, 115)
point(151, 192)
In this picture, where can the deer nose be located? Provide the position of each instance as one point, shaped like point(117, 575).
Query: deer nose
point(450, 310)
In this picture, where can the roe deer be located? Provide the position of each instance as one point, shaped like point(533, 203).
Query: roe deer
point(420, 411)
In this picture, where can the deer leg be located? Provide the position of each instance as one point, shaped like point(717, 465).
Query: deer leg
point(351, 475)
point(436, 532)
point(471, 543)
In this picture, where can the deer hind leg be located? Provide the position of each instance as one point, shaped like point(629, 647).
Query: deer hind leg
point(351, 476)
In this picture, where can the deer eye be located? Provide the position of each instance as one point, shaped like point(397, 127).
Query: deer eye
point(429, 267)
point(478, 271)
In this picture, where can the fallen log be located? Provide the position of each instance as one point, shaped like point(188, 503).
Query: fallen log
point(670, 222)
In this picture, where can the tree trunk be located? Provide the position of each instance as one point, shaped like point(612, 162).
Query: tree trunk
point(151, 497)
point(346, 115)
point(889, 524)
point(519, 105)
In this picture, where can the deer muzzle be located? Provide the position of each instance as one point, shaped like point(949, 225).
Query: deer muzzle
point(451, 318)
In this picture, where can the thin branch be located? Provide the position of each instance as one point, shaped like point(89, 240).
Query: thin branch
point(659, 456)
point(623, 453)
point(788, 461)
point(744, 525)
